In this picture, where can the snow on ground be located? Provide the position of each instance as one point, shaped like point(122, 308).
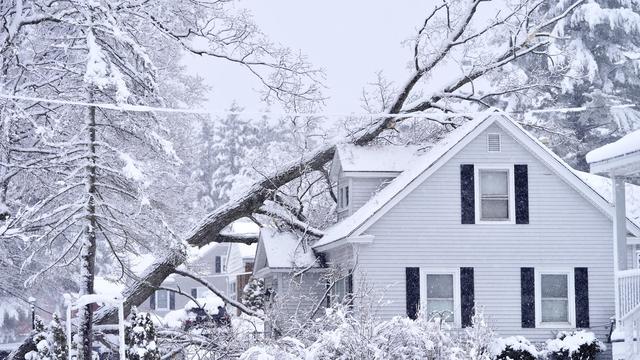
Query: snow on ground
point(628, 144)
point(284, 250)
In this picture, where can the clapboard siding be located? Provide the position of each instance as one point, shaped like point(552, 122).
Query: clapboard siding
point(424, 230)
point(361, 189)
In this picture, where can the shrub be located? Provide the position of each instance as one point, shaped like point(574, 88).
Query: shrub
point(575, 345)
point(513, 348)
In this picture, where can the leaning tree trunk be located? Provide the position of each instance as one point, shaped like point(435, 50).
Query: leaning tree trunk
point(88, 255)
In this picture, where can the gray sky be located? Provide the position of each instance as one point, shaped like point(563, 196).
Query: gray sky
point(351, 40)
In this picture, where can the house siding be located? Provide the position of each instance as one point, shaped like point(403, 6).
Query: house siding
point(361, 190)
point(424, 230)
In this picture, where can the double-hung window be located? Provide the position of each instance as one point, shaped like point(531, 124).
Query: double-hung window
point(555, 298)
point(162, 300)
point(442, 295)
point(494, 194)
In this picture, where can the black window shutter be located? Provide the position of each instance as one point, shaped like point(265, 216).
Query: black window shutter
point(467, 297)
point(349, 289)
point(467, 194)
point(521, 179)
point(413, 291)
point(528, 297)
point(194, 292)
point(218, 264)
point(152, 301)
point(172, 300)
point(581, 277)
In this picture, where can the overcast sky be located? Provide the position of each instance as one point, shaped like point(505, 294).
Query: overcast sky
point(351, 40)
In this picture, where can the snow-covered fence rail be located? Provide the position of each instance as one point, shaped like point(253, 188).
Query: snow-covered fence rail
point(628, 287)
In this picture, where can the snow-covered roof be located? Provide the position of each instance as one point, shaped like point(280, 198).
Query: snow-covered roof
point(602, 185)
point(418, 165)
point(247, 251)
point(422, 164)
point(285, 250)
point(630, 143)
point(382, 158)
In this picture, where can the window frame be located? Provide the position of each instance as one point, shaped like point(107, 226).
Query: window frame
point(223, 264)
point(344, 195)
point(157, 303)
point(571, 297)
point(457, 316)
point(511, 201)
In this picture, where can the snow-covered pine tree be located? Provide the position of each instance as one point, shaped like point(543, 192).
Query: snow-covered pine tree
point(253, 294)
point(140, 337)
point(594, 61)
point(50, 341)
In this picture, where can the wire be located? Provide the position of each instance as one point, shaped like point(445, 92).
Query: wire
point(144, 108)
point(27, 301)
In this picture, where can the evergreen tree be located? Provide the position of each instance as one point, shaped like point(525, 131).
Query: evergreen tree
point(140, 338)
point(595, 62)
point(50, 342)
point(253, 294)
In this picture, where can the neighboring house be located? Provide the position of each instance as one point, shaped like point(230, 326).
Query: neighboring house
point(218, 264)
point(487, 218)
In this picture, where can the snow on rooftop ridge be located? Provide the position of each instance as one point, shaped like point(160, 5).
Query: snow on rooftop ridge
point(627, 144)
point(284, 250)
point(392, 158)
point(419, 165)
point(602, 185)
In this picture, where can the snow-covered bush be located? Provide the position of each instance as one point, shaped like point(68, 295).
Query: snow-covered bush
point(253, 294)
point(50, 342)
point(513, 348)
point(403, 338)
point(286, 348)
point(574, 345)
point(140, 337)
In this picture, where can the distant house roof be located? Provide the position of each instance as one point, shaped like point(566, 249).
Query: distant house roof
point(385, 158)
point(630, 143)
point(621, 157)
point(424, 165)
point(284, 250)
point(247, 251)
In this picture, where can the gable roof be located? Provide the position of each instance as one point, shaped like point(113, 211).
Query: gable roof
point(427, 164)
point(377, 158)
point(283, 250)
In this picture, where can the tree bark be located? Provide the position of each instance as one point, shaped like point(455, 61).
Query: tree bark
point(88, 255)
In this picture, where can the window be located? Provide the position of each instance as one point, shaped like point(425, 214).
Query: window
point(343, 197)
point(203, 292)
point(494, 195)
point(162, 300)
point(555, 298)
point(338, 291)
point(232, 289)
point(220, 264)
point(442, 294)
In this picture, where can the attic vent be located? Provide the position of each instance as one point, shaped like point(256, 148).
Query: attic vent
point(493, 143)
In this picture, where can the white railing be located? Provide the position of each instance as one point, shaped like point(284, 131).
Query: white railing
point(628, 287)
point(628, 297)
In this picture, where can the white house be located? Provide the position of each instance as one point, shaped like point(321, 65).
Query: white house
point(225, 266)
point(618, 160)
point(488, 217)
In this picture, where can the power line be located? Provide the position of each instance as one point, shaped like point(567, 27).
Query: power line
point(19, 297)
point(144, 108)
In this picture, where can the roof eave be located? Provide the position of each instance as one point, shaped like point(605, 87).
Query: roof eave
point(624, 165)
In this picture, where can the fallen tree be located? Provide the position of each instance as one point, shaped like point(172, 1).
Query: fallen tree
point(453, 23)
point(251, 201)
